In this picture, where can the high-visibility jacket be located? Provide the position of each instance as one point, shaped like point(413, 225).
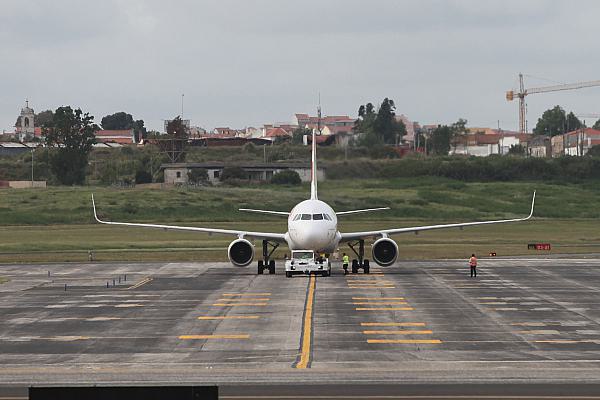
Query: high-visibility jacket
point(346, 260)
point(473, 261)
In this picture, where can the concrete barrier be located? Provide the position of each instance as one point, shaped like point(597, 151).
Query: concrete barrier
point(26, 184)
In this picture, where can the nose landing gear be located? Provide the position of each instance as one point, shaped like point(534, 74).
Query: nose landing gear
point(361, 262)
point(266, 263)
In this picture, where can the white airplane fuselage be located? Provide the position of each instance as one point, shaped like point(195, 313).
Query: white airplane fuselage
point(312, 225)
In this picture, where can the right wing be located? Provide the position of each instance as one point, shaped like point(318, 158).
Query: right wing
point(277, 237)
point(346, 237)
point(265, 211)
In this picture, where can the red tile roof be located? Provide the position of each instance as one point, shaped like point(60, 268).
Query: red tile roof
point(276, 132)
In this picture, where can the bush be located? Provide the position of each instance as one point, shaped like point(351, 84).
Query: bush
point(142, 176)
point(287, 177)
point(232, 173)
point(197, 175)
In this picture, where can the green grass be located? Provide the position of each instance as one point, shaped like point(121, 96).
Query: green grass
point(57, 224)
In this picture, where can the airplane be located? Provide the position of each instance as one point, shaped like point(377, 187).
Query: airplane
point(313, 225)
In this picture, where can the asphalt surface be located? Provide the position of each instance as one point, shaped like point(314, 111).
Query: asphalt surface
point(522, 321)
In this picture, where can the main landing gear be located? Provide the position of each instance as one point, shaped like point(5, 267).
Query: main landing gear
point(266, 262)
point(361, 262)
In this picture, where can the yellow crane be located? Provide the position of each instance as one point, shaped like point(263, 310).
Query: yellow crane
point(511, 94)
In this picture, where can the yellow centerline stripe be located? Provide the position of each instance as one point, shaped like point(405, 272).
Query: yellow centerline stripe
point(238, 304)
point(199, 337)
point(405, 341)
point(398, 332)
point(230, 317)
point(379, 303)
point(307, 332)
point(392, 324)
point(246, 294)
point(384, 309)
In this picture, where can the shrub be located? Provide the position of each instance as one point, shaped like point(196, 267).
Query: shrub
point(287, 177)
point(198, 175)
point(232, 173)
point(142, 176)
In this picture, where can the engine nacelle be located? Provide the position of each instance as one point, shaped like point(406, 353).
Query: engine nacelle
point(240, 252)
point(384, 251)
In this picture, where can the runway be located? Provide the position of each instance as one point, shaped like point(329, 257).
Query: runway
point(521, 321)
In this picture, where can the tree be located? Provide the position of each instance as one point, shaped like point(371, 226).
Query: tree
point(73, 135)
point(597, 125)
point(122, 120)
point(298, 135)
point(177, 129)
point(594, 151)
point(382, 124)
point(517, 150)
point(44, 118)
point(142, 176)
point(440, 140)
point(198, 175)
point(556, 122)
point(286, 177)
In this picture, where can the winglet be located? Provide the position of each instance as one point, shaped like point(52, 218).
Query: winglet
point(532, 205)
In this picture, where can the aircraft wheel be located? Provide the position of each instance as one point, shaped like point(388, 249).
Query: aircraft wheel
point(272, 267)
point(261, 267)
point(354, 266)
point(288, 274)
point(366, 266)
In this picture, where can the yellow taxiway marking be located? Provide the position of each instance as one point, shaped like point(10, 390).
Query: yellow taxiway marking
point(392, 324)
point(378, 298)
point(140, 283)
point(246, 294)
point(402, 332)
point(405, 341)
point(199, 337)
point(253, 299)
point(379, 303)
point(559, 341)
point(307, 331)
point(384, 309)
point(238, 304)
point(230, 317)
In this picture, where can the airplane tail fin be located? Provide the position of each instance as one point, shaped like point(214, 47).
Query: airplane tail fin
point(313, 161)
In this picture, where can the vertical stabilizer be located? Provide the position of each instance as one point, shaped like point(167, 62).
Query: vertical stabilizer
point(313, 161)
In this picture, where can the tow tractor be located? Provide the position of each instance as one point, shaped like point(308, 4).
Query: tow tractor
point(305, 262)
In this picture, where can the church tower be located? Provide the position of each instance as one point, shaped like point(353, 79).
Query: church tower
point(26, 125)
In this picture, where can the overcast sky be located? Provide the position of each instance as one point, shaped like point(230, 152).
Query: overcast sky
point(249, 62)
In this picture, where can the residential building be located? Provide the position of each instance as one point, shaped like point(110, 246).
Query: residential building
point(558, 145)
point(485, 144)
point(577, 143)
point(124, 136)
point(540, 146)
point(306, 121)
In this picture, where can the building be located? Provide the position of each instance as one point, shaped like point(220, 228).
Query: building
point(411, 128)
point(540, 146)
point(577, 143)
point(558, 145)
point(25, 126)
point(124, 136)
point(177, 173)
point(306, 121)
point(485, 144)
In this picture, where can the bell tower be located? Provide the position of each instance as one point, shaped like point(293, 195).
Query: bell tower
point(26, 124)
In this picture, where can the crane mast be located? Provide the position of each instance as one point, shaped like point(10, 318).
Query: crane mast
point(510, 95)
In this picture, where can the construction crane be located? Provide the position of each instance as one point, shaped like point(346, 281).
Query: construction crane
point(510, 95)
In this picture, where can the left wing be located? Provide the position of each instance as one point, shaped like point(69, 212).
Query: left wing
point(385, 232)
point(361, 211)
point(277, 237)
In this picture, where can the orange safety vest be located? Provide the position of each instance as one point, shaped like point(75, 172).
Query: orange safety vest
point(473, 261)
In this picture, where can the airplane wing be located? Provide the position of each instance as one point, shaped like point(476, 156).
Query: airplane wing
point(346, 237)
point(265, 211)
point(361, 211)
point(277, 237)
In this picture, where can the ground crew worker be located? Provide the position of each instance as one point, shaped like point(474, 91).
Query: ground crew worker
point(473, 265)
point(345, 262)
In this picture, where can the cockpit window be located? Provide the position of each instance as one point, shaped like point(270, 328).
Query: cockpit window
point(327, 217)
point(305, 217)
point(317, 217)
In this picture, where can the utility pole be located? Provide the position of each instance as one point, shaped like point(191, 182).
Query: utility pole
point(32, 168)
point(182, 95)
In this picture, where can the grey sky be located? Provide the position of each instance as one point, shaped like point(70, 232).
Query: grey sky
point(249, 62)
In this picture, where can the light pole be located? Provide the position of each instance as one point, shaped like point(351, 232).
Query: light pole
point(32, 167)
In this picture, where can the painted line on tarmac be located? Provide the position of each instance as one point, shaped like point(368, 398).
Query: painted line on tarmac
point(246, 294)
point(380, 303)
point(229, 317)
point(239, 304)
point(403, 332)
point(140, 283)
point(392, 324)
point(384, 309)
point(304, 359)
point(203, 337)
point(252, 299)
point(405, 341)
point(371, 287)
point(378, 298)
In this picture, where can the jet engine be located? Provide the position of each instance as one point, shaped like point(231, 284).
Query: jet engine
point(240, 252)
point(384, 251)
